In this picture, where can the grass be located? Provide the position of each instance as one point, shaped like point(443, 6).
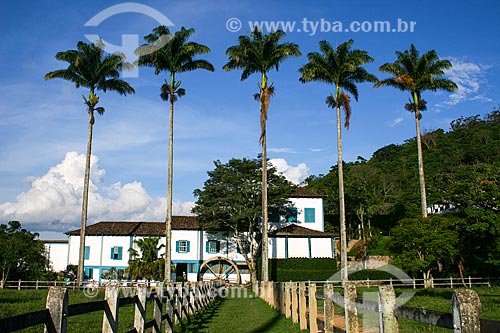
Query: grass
point(239, 314)
point(14, 302)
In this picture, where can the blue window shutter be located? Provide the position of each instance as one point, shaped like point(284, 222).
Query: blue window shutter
point(207, 246)
point(177, 246)
point(309, 215)
point(120, 253)
point(187, 246)
point(112, 252)
point(293, 215)
point(87, 253)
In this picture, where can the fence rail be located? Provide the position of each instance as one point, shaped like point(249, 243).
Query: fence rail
point(298, 301)
point(181, 299)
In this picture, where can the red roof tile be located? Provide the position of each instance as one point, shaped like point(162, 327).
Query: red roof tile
point(139, 228)
point(294, 230)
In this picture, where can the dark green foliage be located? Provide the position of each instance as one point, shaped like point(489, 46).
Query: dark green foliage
point(231, 199)
point(371, 274)
point(22, 254)
point(462, 168)
point(302, 269)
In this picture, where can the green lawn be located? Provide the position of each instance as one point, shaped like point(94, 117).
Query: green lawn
point(240, 314)
point(14, 302)
point(237, 313)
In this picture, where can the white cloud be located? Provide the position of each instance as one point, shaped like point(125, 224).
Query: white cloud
point(395, 122)
point(281, 150)
point(469, 78)
point(293, 174)
point(54, 200)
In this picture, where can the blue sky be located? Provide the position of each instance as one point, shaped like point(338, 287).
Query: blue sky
point(43, 128)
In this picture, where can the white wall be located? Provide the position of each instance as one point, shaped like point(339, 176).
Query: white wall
point(57, 253)
point(317, 204)
point(321, 247)
point(298, 248)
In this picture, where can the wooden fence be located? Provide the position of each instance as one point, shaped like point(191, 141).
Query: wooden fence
point(298, 301)
point(181, 300)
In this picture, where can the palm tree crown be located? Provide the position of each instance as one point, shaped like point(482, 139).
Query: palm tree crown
point(89, 67)
point(415, 74)
point(341, 67)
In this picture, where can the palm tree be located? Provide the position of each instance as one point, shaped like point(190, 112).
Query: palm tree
point(145, 264)
point(260, 53)
point(416, 74)
point(89, 67)
point(341, 67)
point(172, 54)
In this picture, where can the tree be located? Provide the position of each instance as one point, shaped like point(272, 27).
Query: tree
point(172, 54)
point(230, 200)
point(90, 68)
point(425, 244)
point(145, 263)
point(22, 255)
point(260, 53)
point(342, 67)
point(417, 74)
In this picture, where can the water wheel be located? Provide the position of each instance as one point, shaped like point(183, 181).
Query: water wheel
point(219, 268)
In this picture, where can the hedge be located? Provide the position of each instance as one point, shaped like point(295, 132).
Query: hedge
point(300, 269)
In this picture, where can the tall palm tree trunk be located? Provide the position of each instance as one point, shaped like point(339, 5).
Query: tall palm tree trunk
point(423, 197)
point(86, 180)
point(168, 221)
point(265, 261)
point(343, 237)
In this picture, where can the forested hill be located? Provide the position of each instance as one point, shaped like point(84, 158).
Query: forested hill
point(462, 167)
point(462, 171)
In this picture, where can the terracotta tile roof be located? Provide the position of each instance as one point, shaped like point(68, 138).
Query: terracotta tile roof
point(54, 241)
point(304, 193)
point(294, 230)
point(138, 228)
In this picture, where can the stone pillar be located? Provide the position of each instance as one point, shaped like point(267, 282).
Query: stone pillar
point(313, 309)
point(178, 305)
point(466, 311)
point(288, 299)
point(158, 306)
point(329, 312)
point(110, 318)
point(387, 304)
point(57, 304)
point(302, 306)
point(352, 323)
point(169, 308)
point(140, 308)
point(295, 302)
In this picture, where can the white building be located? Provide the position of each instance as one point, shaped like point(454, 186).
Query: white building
point(198, 254)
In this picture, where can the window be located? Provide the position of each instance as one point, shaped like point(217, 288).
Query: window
point(310, 215)
point(182, 246)
point(213, 246)
point(86, 253)
point(116, 253)
point(292, 214)
point(192, 268)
